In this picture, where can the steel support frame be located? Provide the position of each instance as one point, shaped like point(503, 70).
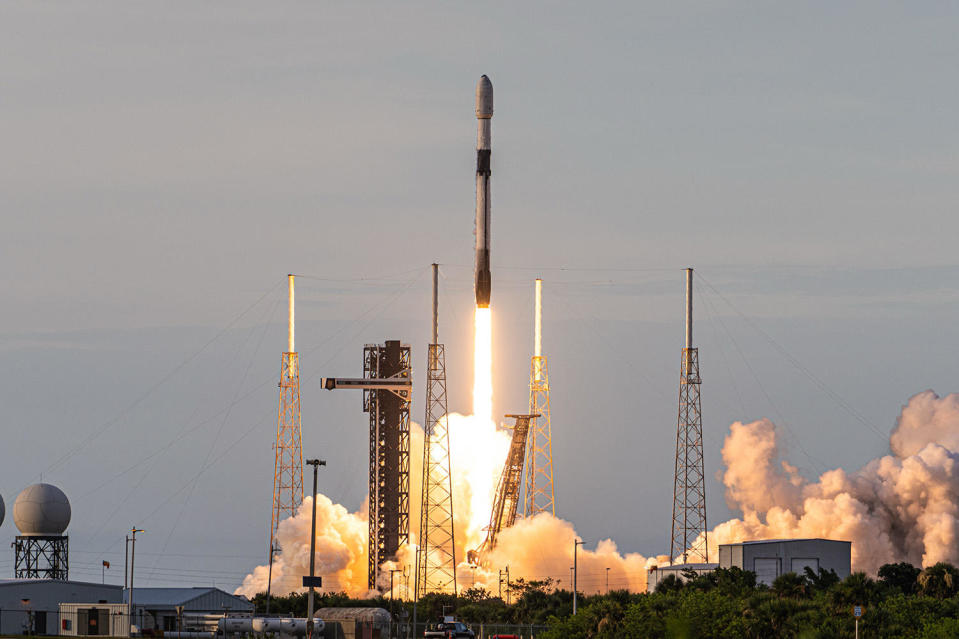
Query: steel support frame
point(42, 557)
point(288, 464)
point(539, 495)
point(436, 556)
point(389, 480)
point(688, 539)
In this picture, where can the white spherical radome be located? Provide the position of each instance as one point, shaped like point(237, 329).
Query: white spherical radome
point(41, 509)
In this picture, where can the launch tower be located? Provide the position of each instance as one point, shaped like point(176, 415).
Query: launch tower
point(436, 557)
point(389, 454)
point(386, 387)
point(689, 487)
point(288, 464)
point(539, 457)
point(506, 500)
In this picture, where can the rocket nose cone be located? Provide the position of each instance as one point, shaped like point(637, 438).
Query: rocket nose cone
point(484, 98)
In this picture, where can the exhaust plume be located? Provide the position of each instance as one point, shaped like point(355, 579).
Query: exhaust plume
point(899, 507)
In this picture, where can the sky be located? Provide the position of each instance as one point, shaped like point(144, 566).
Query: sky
point(164, 165)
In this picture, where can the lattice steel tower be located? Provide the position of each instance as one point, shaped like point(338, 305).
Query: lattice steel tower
point(288, 465)
point(387, 389)
point(539, 457)
point(389, 454)
point(436, 556)
point(689, 486)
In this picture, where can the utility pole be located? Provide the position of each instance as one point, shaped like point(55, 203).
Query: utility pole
point(576, 544)
point(126, 562)
point(133, 555)
point(509, 599)
point(315, 463)
point(607, 580)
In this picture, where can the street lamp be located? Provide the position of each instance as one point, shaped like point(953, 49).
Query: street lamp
point(576, 544)
point(133, 554)
point(315, 463)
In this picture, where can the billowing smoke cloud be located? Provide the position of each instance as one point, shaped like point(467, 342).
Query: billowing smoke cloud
point(900, 507)
point(533, 549)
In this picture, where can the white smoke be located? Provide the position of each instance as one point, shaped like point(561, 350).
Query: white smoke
point(533, 549)
point(899, 507)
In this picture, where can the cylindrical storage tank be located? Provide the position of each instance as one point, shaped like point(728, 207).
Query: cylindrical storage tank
point(298, 627)
point(41, 510)
point(236, 625)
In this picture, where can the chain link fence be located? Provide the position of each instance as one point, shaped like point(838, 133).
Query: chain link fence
point(481, 630)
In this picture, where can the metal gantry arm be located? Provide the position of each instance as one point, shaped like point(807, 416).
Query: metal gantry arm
point(399, 386)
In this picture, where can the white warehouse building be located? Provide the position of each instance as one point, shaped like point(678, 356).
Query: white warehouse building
point(773, 557)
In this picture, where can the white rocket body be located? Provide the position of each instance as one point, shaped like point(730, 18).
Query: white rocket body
point(484, 116)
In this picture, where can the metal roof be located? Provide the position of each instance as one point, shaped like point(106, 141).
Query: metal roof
point(687, 567)
point(19, 582)
point(780, 541)
point(197, 598)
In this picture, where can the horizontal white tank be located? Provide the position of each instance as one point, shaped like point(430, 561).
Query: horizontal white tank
point(263, 626)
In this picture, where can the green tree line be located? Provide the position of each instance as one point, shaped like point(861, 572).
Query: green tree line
point(724, 604)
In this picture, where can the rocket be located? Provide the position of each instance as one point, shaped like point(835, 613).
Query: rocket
point(484, 114)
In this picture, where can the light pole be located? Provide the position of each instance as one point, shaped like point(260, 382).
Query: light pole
point(607, 580)
point(315, 463)
point(576, 544)
point(509, 599)
point(133, 555)
point(392, 572)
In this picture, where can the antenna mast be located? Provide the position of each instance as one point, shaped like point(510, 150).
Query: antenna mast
point(288, 463)
point(436, 556)
point(688, 539)
point(539, 456)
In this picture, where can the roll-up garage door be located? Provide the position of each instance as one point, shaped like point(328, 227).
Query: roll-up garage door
point(766, 569)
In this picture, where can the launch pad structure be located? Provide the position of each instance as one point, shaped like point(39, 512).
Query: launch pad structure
point(436, 555)
point(506, 498)
point(688, 538)
point(288, 464)
point(539, 496)
point(387, 391)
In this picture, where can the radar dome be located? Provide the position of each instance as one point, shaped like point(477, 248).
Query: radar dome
point(41, 509)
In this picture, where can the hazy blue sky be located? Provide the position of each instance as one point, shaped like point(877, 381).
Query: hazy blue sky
point(164, 165)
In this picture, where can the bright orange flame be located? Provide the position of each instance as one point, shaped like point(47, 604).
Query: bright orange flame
point(483, 366)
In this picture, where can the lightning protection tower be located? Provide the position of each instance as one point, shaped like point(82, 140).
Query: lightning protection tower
point(436, 556)
point(288, 464)
point(689, 487)
point(539, 457)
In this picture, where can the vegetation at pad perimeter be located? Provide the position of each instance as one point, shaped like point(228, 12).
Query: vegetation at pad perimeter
point(725, 604)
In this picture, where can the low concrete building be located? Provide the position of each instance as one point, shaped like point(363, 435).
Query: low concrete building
point(773, 557)
point(32, 606)
point(657, 573)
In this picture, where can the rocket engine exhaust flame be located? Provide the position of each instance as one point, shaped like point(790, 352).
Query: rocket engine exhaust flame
point(483, 365)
